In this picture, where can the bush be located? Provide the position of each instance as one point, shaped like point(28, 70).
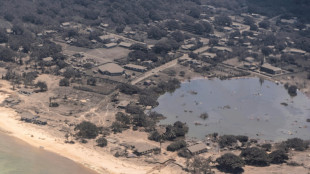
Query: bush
point(42, 86)
point(155, 136)
point(184, 153)
point(102, 142)
point(64, 82)
point(227, 140)
point(292, 90)
point(176, 145)
point(204, 115)
point(266, 147)
point(87, 130)
point(230, 162)
point(255, 156)
point(242, 138)
point(123, 118)
point(295, 143)
point(128, 89)
point(278, 157)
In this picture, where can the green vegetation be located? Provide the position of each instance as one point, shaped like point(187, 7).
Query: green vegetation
point(230, 163)
point(278, 157)
point(255, 156)
point(227, 140)
point(294, 143)
point(102, 142)
point(176, 145)
point(42, 86)
point(86, 130)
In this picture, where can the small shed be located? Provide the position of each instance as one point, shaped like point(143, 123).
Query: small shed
point(197, 149)
point(123, 104)
point(136, 67)
point(110, 45)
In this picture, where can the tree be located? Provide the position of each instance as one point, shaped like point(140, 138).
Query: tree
point(264, 24)
point(230, 163)
point(278, 157)
point(242, 138)
point(102, 142)
point(7, 55)
point(204, 115)
point(156, 33)
point(122, 117)
point(176, 145)
point(255, 156)
point(64, 82)
point(87, 130)
point(227, 140)
point(180, 128)
point(295, 143)
point(148, 100)
point(292, 90)
point(3, 37)
point(92, 81)
point(199, 165)
point(194, 12)
point(42, 86)
point(222, 20)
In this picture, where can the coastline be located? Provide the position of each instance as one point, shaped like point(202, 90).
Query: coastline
point(89, 158)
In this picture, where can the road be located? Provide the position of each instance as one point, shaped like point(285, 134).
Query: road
point(154, 71)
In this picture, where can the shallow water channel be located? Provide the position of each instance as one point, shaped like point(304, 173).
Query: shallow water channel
point(247, 106)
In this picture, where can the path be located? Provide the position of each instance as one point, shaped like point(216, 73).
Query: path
point(154, 71)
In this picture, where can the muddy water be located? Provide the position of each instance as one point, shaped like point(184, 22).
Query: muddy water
point(240, 107)
point(16, 157)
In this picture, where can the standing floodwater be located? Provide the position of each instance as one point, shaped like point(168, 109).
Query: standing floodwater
point(16, 157)
point(248, 106)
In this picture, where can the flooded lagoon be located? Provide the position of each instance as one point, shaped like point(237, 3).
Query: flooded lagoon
point(17, 157)
point(247, 106)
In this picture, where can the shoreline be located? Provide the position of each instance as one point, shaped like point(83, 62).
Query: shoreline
point(101, 163)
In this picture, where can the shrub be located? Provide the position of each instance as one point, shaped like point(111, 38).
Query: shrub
point(86, 130)
point(292, 90)
point(255, 156)
point(64, 82)
point(204, 115)
point(295, 143)
point(230, 162)
point(176, 145)
point(184, 153)
point(227, 140)
point(242, 138)
point(155, 136)
point(278, 157)
point(102, 142)
point(42, 86)
point(266, 147)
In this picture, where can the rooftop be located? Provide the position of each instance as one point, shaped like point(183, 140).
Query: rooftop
point(135, 66)
point(268, 66)
point(111, 68)
point(197, 147)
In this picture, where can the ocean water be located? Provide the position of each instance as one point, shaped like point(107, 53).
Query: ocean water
point(17, 157)
point(245, 106)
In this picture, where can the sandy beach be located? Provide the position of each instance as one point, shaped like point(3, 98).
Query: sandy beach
point(10, 124)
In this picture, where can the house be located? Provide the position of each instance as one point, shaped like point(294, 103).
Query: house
point(197, 149)
point(188, 46)
point(111, 69)
point(144, 148)
point(209, 55)
point(294, 51)
point(249, 59)
point(223, 49)
point(135, 67)
point(65, 24)
point(47, 59)
point(110, 45)
point(125, 44)
point(123, 104)
point(266, 67)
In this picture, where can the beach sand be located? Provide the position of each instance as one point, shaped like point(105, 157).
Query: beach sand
point(101, 163)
